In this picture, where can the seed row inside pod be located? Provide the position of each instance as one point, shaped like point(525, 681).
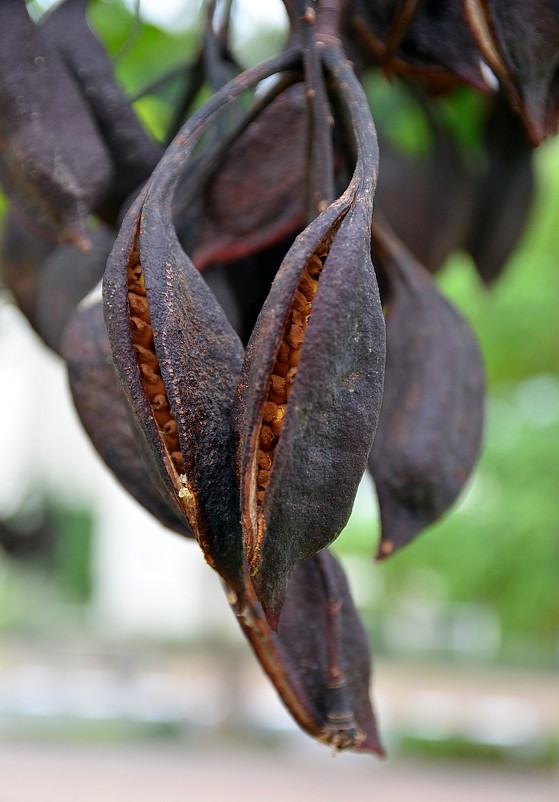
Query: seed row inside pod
point(142, 341)
point(285, 367)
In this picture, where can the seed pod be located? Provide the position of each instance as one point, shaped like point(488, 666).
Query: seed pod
point(436, 186)
point(430, 427)
point(53, 164)
point(178, 383)
point(435, 44)
point(66, 276)
point(318, 659)
point(330, 399)
point(503, 193)
point(180, 402)
point(267, 163)
point(156, 299)
point(22, 254)
point(133, 153)
point(521, 44)
point(103, 414)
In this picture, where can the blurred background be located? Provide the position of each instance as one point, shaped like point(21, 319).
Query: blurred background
point(122, 673)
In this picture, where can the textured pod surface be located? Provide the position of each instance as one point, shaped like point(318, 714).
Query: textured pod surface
point(311, 389)
point(178, 360)
point(133, 154)
point(102, 410)
point(53, 164)
point(430, 427)
point(318, 659)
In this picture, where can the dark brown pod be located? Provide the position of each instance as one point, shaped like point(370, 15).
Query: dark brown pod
point(22, 254)
point(177, 359)
point(520, 41)
point(430, 427)
point(439, 195)
point(186, 366)
point(53, 164)
point(66, 276)
point(431, 41)
point(250, 280)
point(257, 196)
point(176, 355)
point(318, 660)
point(503, 193)
point(133, 153)
point(311, 387)
point(86, 349)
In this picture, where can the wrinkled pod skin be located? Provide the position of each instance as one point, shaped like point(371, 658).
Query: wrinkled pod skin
point(430, 428)
point(309, 395)
point(177, 362)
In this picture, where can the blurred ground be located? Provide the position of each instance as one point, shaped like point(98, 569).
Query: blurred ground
point(169, 774)
point(88, 725)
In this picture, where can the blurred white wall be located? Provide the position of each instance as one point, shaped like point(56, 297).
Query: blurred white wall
point(148, 581)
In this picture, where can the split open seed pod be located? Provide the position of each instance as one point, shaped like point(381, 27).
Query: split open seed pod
point(176, 355)
point(311, 386)
point(430, 427)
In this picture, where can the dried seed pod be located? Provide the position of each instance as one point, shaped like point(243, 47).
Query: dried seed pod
point(22, 254)
point(439, 189)
point(53, 164)
point(503, 193)
point(133, 153)
point(331, 399)
point(318, 659)
point(521, 44)
point(430, 427)
point(197, 354)
point(268, 163)
point(180, 398)
point(86, 349)
point(434, 43)
point(66, 276)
